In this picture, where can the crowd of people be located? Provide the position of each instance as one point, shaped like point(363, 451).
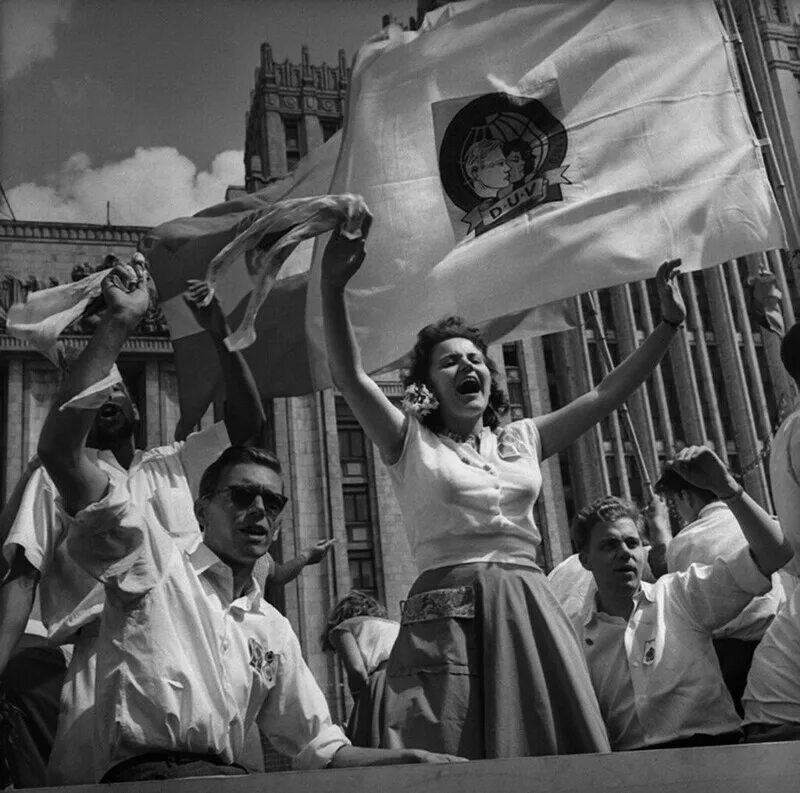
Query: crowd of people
point(145, 565)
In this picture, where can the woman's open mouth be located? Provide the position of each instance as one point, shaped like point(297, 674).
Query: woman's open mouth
point(470, 385)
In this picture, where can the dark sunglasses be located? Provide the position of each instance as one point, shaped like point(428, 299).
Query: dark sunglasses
point(242, 496)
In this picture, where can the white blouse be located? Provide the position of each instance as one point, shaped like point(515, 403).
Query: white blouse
point(375, 637)
point(461, 505)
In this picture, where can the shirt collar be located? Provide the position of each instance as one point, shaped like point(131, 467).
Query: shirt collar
point(204, 560)
point(712, 506)
point(108, 456)
point(590, 609)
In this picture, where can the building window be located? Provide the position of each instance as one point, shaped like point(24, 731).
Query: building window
point(330, 126)
point(292, 131)
point(352, 452)
point(358, 495)
point(779, 11)
point(360, 547)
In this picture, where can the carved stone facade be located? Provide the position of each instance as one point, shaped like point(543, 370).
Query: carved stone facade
point(294, 107)
point(39, 255)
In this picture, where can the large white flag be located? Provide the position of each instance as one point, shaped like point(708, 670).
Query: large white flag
point(515, 153)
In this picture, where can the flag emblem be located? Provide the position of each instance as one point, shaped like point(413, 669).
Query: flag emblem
point(499, 156)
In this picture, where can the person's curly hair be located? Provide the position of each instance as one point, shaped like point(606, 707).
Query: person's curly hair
point(420, 366)
point(606, 509)
point(354, 604)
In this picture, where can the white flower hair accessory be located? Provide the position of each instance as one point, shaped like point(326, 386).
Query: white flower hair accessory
point(418, 401)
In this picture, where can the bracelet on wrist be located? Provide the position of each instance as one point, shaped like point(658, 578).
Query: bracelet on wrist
point(737, 493)
point(676, 325)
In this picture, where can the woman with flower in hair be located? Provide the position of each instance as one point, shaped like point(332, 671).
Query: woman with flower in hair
point(486, 663)
point(362, 635)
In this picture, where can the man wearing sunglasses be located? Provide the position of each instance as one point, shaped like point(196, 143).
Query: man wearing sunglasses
point(71, 601)
point(189, 654)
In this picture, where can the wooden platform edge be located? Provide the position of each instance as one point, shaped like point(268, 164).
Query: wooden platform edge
point(772, 767)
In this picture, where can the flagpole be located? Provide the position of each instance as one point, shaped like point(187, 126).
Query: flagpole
point(607, 363)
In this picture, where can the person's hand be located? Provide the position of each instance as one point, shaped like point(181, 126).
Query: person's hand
point(207, 313)
point(343, 256)
point(424, 756)
point(125, 292)
point(656, 520)
point(700, 467)
point(673, 309)
point(316, 553)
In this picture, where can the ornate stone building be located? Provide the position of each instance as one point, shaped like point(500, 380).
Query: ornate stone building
point(38, 255)
point(721, 383)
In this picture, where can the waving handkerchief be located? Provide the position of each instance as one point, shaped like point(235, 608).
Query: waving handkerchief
point(44, 314)
point(264, 254)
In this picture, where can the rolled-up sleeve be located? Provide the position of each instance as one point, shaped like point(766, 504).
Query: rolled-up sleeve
point(35, 526)
point(295, 716)
point(109, 539)
point(717, 593)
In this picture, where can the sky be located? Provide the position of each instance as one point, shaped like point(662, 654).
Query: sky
point(142, 102)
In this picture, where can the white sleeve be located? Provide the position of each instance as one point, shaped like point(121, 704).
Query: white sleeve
point(295, 716)
point(200, 449)
point(112, 541)
point(715, 594)
point(37, 526)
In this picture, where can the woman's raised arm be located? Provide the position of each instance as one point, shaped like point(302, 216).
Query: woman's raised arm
point(379, 418)
point(560, 428)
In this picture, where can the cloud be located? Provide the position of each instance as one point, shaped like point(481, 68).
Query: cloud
point(27, 33)
point(151, 187)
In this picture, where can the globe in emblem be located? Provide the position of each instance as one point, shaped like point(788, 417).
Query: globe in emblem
point(501, 156)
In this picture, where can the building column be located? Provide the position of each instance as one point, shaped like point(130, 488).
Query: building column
point(659, 390)
point(714, 433)
point(275, 144)
point(312, 129)
point(302, 451)
point(638, 403)
point(555, 531)
point(587, 463)
point(735, 382)
point(334, 503)
point(14, 411)
point(152, 406)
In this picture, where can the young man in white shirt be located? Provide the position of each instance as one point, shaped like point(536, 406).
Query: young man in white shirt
point(649, 646)
point(709, 531)
point(34, 547)
point(189, 653)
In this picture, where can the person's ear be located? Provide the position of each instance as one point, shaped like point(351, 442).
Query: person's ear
point(200, 509)
point(583, 558)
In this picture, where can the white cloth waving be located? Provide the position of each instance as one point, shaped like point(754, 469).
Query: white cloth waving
point(45, 313)
point(301, 218)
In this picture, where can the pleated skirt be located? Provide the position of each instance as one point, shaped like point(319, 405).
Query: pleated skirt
point(504, 677)
point(365, 725)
